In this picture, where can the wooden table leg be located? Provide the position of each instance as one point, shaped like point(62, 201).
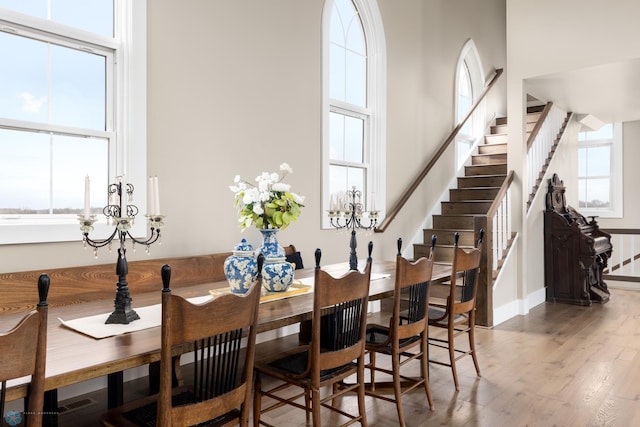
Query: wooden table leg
point(154, 375)
point(50, 409)
point(115, 389)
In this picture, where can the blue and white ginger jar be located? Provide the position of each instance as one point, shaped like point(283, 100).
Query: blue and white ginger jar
point(277, 274)
point(241, 268)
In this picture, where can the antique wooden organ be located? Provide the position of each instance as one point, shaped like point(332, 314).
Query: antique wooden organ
point(576, 252)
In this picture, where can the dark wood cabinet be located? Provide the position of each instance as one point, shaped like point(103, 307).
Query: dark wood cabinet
point(576, 252)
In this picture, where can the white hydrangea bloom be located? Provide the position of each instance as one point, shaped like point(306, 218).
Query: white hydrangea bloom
point(251, 195)
point(298, 198)
point(281, 186)
point(284, 167)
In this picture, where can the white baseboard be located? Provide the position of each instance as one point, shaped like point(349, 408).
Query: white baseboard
point(518, 307)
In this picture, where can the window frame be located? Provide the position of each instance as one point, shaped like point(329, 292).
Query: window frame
point(469, 59)
point(125, 121)
point(375, 111)
point(616, 191)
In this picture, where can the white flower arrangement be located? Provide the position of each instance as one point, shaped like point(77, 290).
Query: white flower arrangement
point(268, 204)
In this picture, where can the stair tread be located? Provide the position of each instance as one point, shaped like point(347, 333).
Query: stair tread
point(490, 154)
point(469, 201)
point(450, 229)
point(477, 188)
point(495, 175)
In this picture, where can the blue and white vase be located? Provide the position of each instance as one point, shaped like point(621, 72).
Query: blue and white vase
point(270, 247)
point(241, 268)
point(277, 274)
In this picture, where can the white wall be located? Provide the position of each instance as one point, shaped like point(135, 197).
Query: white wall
point(631, 178)
point(234, 88)
point(546, 37)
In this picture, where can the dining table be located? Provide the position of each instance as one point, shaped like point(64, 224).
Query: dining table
point(74, 357)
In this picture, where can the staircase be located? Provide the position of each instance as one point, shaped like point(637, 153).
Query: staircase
point(475, 194)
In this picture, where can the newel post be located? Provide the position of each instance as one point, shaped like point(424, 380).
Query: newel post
point(484, 298)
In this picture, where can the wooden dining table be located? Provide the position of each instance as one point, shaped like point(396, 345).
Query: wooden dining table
point(73, 357)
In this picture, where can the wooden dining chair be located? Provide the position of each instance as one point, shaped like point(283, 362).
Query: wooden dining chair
point(220, 391)
point(293, 256)
point(458, 313)
point(24, 350)
point(405, 338)
point(336, 342)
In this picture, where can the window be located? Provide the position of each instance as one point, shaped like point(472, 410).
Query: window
point(62, 111)
point(469, 86)
point(354, 103)
point(600, 171)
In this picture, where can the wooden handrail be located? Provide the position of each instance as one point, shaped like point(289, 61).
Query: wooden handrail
point(391, 214)
point(622, 263)
point(498, 199)
point(539, 122)
point(621, 230)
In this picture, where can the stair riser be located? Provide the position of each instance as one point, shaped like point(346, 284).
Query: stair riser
point(499, 129)
point(453, 222)
point(501, 121)
point(489, 159)
point(421, 251)
point(476, 170)
point(442, 254)
point(454, 208)
point(481, 181)
point(461, 194)
point(496, 139)
point(446, 237)
point(492, 149)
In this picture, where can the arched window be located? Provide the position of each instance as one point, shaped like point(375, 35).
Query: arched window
point(469, 85)
point(354, 103)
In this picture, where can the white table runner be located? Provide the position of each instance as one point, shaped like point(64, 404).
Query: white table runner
point(150, 316)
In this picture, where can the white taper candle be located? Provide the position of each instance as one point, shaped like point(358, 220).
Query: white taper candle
point(87, 198)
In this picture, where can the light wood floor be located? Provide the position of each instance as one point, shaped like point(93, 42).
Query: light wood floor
point(560, 365)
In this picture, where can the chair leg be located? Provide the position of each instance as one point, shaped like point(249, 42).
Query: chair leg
point(372, 370)
point(452, 356)
point(472, 345)
point(315, 407)
point(397, 388)
point(307, 405)
point(361, 407)
point(257, 399)
point(424, 370)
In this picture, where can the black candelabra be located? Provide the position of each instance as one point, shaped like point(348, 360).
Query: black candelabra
point(121, 213)
point(348, 213)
